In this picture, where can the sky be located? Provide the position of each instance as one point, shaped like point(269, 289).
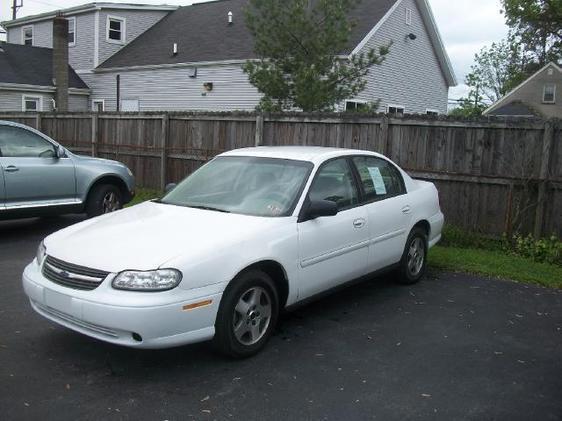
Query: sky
point(465, 25)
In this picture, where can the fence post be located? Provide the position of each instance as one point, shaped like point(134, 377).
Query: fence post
point(163, 158)
point(94, 138)
point(259, 130)
point(548, 140)
point(38, 121)
point(384, 136)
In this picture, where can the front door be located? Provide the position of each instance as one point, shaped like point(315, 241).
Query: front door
point(33, 175)
point(333, 249)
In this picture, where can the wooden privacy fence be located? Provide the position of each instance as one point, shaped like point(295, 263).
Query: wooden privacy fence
point(492, 176)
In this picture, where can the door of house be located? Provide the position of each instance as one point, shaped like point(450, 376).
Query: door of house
point(129, 105)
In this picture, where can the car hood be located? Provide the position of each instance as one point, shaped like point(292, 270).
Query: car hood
point(146, 236)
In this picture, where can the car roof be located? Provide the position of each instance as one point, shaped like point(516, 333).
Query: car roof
point(315, 154)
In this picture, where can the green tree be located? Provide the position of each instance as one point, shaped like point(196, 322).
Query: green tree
point(497, 69)
point(299, 45)
point(537, 25)
point(473, 105)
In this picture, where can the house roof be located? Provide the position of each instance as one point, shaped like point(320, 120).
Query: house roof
point(86, 8)
point(514, 109)
point(27, 65)
point(491, 110)
point(202, 34)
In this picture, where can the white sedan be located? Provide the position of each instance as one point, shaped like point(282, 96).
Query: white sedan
point(251, 233)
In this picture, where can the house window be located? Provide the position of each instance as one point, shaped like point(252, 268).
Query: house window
point(31, 103)
point(71, 32)
point(115, 30)
point(27, 35)
point(395, 110)
point(98, 105)
point(433, 113)
point(355, 106)
point(549, 94)
point(409, 14)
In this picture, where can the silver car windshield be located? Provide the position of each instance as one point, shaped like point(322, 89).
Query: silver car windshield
point(244, 185)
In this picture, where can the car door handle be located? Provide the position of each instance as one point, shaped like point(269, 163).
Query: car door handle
point(359, 223)
point(11, 168)
point(406, 209)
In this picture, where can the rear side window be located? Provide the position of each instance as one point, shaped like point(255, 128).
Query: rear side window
point(334, 182)
point(379, 178)
point(18, 142)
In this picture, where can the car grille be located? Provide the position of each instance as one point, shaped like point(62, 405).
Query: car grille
point(72, 276)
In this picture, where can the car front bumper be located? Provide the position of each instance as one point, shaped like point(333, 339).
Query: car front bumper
point(182, 320)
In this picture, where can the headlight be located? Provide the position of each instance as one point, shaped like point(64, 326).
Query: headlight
point(41, 252)
point(149, 281)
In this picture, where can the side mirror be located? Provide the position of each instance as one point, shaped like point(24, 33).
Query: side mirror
point(169, 187)
point(60, 152)
point(320, 208)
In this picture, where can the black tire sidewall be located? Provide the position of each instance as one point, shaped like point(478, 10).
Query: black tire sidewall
point(95, 198)
point(405, 277)
point(225, 340)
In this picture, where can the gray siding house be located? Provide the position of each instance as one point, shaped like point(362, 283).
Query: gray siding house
point(26, 80)
point(538, 96)
point(191, 58)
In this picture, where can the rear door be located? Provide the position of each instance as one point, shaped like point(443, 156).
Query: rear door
point(33, 175)
point(388, 209)
point(333, 249)
point(2, 190)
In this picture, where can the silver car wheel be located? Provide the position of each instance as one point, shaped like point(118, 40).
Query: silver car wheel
point(110, 203)
point(252, 316)
point(416, 257)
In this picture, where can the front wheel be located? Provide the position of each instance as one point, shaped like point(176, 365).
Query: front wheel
point(247, 315)
point(104, 198)
point(414, 258)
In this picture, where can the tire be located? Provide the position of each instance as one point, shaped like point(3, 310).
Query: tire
point(103, 198)
point(247, 315)
point(414, 259)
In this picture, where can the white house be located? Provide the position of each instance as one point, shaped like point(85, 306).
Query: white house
point(189, 58)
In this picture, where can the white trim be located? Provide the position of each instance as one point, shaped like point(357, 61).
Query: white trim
point(172, 65)
point(123, 30)
point(553, 95)
point(23, 28)
point(395, 106)
point(96, 38)
point(372, 32)
point(39, 88)
point(72, 19)
point(94, 101)
point(409, 16)
point(87, 8)
point(504, 98)
point(39, 100)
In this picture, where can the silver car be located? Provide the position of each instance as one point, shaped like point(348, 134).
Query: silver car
point(38, 176)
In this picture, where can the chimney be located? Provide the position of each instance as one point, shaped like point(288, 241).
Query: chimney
point(60, 61)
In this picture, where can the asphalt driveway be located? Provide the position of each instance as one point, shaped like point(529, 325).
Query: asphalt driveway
point(452, 347)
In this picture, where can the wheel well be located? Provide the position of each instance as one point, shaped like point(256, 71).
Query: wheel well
point(277, 274)
point(425, 226)
point(115, 181)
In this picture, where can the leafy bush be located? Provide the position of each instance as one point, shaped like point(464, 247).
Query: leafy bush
point(548, 250)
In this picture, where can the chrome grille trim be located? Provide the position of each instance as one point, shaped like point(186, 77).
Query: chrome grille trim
point(71, 275)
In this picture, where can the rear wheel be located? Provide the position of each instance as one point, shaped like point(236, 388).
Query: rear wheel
point(247, 315)
point(414, 258)
point(104, 198)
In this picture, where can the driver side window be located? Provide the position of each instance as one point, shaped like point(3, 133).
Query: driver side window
point(334, 182)
point(21, 143)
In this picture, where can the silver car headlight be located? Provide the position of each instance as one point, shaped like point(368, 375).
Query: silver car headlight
point(147, 281)
point(41, 253)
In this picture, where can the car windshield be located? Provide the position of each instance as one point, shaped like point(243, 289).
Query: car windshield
point(244, 185)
